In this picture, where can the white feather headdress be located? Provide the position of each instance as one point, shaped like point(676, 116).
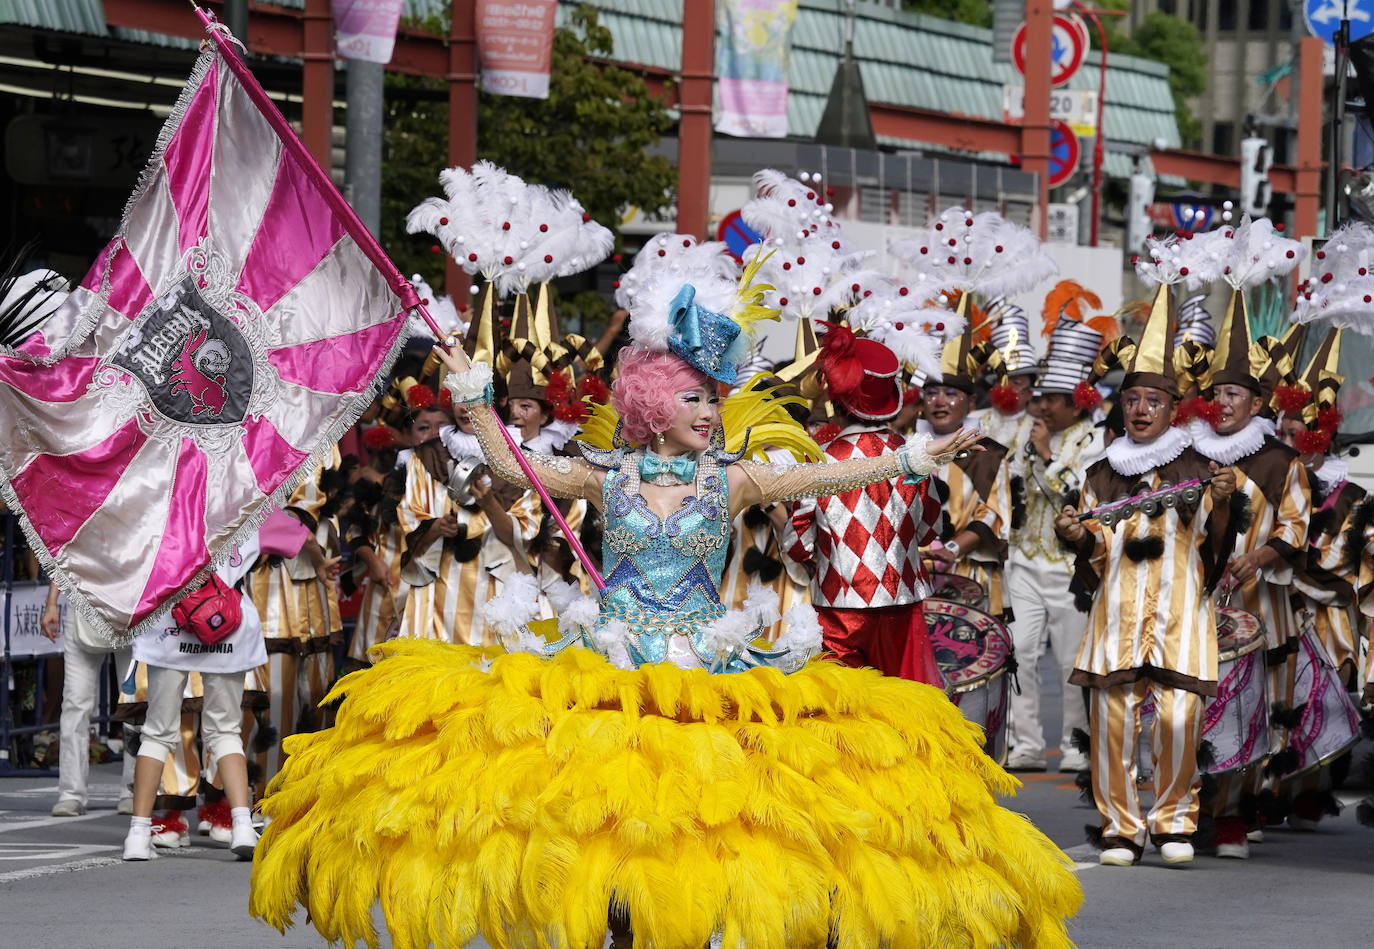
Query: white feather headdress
point(905, 322)
point(512, 233)
point(661, 268)
point(1246, 254)
point(983, 253)
point(1341, 288)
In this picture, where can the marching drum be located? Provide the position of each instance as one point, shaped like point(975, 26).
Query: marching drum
point(973, 651)
point(1329, 723)
point(1236, 720)
point(957, 589)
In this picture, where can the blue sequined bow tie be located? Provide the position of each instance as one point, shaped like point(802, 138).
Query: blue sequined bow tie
point(683, 468)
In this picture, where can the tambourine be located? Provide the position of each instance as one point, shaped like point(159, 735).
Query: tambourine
point(1149, 503)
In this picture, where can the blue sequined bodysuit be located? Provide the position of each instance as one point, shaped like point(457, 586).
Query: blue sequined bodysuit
point(663, 575)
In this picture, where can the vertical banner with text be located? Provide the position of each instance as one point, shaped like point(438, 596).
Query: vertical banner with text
point(515, 40)
point(366, 29)
point(751, 66)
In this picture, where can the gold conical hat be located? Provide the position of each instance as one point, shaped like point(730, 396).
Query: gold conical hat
point(1152, 362)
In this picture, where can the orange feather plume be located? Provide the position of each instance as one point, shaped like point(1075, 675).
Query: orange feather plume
point(1068, 299)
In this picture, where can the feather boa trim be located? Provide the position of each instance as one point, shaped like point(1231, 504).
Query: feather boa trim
point(518, 798)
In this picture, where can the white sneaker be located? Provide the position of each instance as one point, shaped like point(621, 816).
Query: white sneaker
point(1117, 857)
point(203, 828)
point(169, 834)
point(68, 807)
point(1073, 761)
point(1302, 824)
point(243, 840)
point(1176, 851)
point(1234, 851)
point(221, 835)
point(1256, 836)
point(1025, 761)
point(139, 847)
point(125, 806)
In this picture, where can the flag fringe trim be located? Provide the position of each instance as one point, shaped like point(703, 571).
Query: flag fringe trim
point(276, 500)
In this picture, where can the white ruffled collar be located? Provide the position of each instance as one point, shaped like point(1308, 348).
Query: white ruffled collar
point(1332, 472)
point(1228, 449)
point(1131, 458)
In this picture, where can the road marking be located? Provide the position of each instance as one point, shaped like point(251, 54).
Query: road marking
point(50, 821)
point(25, 850)
point(90, 863)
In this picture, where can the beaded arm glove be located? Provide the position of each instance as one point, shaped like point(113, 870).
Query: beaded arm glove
point(563, 477)
point(791, 482)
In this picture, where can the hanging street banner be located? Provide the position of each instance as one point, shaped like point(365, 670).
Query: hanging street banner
point(366, 29)
point(751, 66)
point(515, 45)
point(1076, 108)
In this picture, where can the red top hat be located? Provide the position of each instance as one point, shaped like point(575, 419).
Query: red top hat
point(861, 374)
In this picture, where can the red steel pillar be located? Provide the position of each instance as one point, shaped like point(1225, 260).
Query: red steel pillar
point(317, 81)
point(1307, 170)
point(462, 111)
point(1035, 125)
point(694, 127)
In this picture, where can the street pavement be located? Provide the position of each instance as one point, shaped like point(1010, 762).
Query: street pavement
point(62, 883)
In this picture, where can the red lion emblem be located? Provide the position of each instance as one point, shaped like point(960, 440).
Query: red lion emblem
point(208, 393)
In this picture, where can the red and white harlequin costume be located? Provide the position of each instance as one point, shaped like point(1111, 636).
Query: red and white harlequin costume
point(867, 583)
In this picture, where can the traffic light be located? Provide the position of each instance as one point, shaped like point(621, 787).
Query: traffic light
point(1138, 225)
point(1255, 158)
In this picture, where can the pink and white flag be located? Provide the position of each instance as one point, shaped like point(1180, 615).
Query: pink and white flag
point(223, 340)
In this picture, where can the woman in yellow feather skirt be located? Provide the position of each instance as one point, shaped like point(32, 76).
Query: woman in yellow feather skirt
point(652, 758)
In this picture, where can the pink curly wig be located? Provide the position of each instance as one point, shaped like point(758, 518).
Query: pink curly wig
point(645, 391)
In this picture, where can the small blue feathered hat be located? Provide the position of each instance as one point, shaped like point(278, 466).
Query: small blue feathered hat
point(695, 301)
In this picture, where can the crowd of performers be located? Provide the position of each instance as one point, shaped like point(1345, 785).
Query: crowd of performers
point(1165, 513)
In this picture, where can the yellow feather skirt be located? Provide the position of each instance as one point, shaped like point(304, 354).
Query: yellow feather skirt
point(472, 791)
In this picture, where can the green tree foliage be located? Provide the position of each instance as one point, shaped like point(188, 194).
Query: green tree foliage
point(1174, 42)
point(590, 136)
point(973, 12)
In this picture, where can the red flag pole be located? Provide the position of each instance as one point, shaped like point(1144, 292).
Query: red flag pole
point(224, 42)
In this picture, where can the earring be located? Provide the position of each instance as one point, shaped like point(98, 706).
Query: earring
point(661, 440)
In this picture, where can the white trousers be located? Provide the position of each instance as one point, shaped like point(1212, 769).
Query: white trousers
point(221, 720)
point(1045, 615)
point(80, 691)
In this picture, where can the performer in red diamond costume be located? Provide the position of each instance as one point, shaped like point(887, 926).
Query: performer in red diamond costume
point(863, 545)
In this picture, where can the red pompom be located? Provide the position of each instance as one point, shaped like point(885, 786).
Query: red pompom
point(1086, 396)
point(1209, 412)
point(1329, 419)
point(826, 433)
point(1290, 400)
point(420, 396)
point(379, 438)
point(1004, 398)
point(841, 367)
point(446, 400)
point(562, 395)
point(594, 388)
point(1186, 413)
point(1312, 443)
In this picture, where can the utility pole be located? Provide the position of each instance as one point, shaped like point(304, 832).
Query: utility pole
point(363, 141)
point(1035, 124)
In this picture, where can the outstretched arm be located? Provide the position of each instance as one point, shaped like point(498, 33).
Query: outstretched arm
point(564, 477)
point(757, 483)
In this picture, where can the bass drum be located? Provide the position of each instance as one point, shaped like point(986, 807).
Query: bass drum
point(974, 653)
point(1235, 721)
point(1329, 724)
point(956, 589)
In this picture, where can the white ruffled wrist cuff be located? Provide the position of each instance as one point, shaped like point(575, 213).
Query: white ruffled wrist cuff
point(914, 458)
point(472, 387)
